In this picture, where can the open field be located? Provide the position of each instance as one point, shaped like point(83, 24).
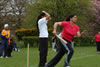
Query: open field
point(83, 57)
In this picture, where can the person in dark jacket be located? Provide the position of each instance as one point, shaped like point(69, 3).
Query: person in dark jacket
point(5, 35)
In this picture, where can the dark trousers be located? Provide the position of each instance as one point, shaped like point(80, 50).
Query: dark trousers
point(4, 45)
point(62, 50)
point(43, 47)
point(98, 46)
point(15, 47)
point(10, 48)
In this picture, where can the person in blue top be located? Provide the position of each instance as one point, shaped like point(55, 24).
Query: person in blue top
point(5, 35)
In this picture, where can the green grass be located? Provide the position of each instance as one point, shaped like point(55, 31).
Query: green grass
point(83, 57)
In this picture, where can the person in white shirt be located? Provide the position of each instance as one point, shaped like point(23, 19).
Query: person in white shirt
point(42, 21)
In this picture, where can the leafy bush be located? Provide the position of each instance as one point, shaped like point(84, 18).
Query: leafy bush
point(31, 40)
point(29, 32)
point(34, 41)
point(20, 44)
point(84, 41)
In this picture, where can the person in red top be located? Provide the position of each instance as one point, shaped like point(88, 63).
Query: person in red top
point(97, 37)
point(69, 30)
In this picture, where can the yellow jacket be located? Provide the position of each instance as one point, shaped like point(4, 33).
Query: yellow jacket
point(6, 33)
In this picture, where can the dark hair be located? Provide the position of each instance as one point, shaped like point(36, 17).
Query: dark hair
point(68, 18)
point(38, 18)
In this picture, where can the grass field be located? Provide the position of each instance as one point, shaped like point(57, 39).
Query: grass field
point(83, 57)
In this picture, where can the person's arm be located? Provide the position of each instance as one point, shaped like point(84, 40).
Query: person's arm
point(82, 33)
point(48, 17)
point(93, 39)
point(4, 34)
point(55, 27)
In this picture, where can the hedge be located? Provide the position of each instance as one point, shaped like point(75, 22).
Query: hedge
point(83, 41)
point(29, 32)
point(32, 40)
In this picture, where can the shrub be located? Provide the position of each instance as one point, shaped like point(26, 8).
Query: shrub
point(29, 32)
point(84, 41)
point(20, 44)
point(32, 40)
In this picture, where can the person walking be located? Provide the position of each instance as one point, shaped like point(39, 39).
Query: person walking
point(97, 37)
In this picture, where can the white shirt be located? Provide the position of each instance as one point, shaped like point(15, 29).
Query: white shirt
point(43, 30)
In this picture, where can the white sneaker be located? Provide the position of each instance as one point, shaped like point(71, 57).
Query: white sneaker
point(18, 50)
point(1, 56)
point(54, 50)
point(98, 52)
point(67, 66)
point(6, 56)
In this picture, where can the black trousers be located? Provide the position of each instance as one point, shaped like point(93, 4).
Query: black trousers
point(62, 50)
point(98, 46)
point(10, 48)
point(43, 47)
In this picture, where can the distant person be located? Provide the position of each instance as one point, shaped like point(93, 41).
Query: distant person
point(42, 21)
point(15, 47)
point(72, 43)
point(97, 37)
point(54, 42)
point(5, 35)
point(10, 48)
point(0, 33)
point(0, 37)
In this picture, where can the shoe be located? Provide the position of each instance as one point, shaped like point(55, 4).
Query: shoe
point(1, 56)
point(41, 66)
point(67, 66)
point(54, 50)
point(45, 65)
point(6, 56)
point(18, 50)
point(10, 56)
point(98, 52)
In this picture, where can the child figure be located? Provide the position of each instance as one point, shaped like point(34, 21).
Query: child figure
point(15, 45)
point(54, 43)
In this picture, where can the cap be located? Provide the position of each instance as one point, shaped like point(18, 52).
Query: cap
point(6, 25)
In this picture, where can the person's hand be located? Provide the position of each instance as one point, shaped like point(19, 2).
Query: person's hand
point(7, 34)
point(44, 11)
point(8, 43)
point(54, 32)
point(84, 31)
point(91, 40)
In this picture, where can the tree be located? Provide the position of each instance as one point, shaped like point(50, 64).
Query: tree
point(12, 12)
point(2, 12)
point(18, 11)
point(96, 25)
point(59, 10)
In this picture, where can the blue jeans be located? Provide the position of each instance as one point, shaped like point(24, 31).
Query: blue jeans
point(4, 45)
